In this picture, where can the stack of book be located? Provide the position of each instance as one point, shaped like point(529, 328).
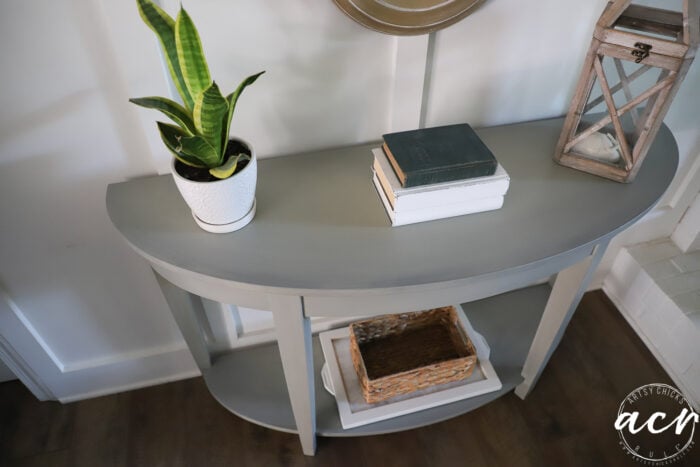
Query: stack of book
point(434, 173)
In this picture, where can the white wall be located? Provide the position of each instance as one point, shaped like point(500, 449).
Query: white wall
point(66, 131)
point(510, 62)
point(328, 80)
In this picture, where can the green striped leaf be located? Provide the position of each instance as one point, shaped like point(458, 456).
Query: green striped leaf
point(164, 27)
point(198, 147)
point(209, 114)
point(189, 51)
point(172, 137)
point(231, 100)
point(173, 110)
point(229, 167)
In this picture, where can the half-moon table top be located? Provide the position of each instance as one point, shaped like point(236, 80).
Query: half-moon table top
point(321, 227)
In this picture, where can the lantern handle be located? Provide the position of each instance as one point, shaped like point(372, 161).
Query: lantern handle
point(613, 10)
point(691, 23)
point(691, 19)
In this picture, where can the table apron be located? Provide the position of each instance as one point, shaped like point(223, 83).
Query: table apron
point(375, 301)
point(426, 297)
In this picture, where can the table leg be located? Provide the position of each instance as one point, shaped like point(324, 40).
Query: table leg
point(294, 341)
point(569, 287)
point(186, 308)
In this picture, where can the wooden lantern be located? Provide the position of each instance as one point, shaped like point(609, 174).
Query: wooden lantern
point(637, 60)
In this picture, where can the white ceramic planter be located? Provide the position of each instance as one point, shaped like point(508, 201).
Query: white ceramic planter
point(223, 205)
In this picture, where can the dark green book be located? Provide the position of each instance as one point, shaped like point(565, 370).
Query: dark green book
point(438, 154)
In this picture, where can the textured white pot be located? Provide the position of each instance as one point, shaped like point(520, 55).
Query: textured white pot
point(223, 205)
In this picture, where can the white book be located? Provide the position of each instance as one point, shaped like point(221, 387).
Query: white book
point(438, 212)
point(438, 194)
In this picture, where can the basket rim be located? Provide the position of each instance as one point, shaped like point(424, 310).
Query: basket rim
point(451, 310)
point(382, 318)
point(469, 359)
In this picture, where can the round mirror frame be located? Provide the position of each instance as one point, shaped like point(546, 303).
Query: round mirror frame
point(407, 17)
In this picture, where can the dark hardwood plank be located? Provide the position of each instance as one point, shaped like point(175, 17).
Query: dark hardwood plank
point(158, 425)
point(62, 458)
point(393, 450)
point(453, 439)
point(566, 421)
point(30, 428)
point(101, 432)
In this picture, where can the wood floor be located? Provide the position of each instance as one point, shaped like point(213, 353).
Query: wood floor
point(566, 421)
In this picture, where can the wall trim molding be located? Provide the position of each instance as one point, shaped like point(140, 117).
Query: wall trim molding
point(172, 364)
point(687, 233)
point(19, 314)
point(33, 362)
point(187, 374)
point(677, 379)
point(688, 187)
point(23, 371)
point(411, 68)
point(427, 78)
point(121, 357)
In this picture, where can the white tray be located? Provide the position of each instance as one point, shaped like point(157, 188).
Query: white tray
point(340, 379)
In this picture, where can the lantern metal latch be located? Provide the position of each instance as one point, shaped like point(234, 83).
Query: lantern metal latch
point(641, 51)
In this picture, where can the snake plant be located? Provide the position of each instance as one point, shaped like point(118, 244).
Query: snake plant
point(200, 136)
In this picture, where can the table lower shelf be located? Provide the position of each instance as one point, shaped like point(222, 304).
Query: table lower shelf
point(250, 382)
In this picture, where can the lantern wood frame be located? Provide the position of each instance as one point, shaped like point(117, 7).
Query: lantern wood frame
point(673, 56)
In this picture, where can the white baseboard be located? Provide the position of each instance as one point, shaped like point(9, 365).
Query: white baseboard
point(687, 233)
point(116, 358)
point(690, 392)
point(31, 359)
point(124, 375)
point(597, 280)
point(19, 368)
point(129, 387)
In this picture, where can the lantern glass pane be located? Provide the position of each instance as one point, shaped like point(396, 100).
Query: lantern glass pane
point(595, 134)
point(627, 86)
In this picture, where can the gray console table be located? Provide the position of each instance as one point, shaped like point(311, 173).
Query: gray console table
point(321, 245)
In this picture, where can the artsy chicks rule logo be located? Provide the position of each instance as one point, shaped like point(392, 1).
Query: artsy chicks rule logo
point(656, 424)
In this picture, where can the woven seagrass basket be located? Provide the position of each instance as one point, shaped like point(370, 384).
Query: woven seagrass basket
point(402, 353)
